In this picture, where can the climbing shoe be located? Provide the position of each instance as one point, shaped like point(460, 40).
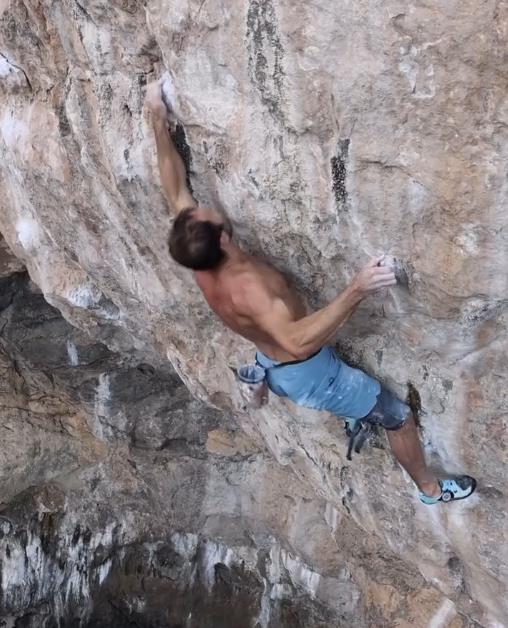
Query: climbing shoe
point(452, 490)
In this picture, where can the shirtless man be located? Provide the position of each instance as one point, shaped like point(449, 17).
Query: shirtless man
point(254, 300)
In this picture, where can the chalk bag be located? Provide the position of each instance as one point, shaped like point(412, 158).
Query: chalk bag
point(253, 386)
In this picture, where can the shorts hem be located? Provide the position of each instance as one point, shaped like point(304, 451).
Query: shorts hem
point(398, 427)
point(401, 424)
point(389, 411)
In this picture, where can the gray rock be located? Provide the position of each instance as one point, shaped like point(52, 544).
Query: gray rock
point(157, 509)
point(329, 133)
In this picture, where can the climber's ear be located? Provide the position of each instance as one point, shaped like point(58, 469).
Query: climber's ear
point(227, 225)
point(225, 239)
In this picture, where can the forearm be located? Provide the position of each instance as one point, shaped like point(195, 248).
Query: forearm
point(309, 334)
point(171, 168)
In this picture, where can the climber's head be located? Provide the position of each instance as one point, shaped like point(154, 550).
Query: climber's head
point(200, 238)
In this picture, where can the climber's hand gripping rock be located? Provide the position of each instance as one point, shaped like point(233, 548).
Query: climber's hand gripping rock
point(373, 277)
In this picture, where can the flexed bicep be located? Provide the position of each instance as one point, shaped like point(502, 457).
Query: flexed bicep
point(273, 317)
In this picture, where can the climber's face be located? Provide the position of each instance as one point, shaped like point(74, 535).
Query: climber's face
point(217, 217)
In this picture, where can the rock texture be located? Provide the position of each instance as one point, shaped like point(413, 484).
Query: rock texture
point(127, 502)
point(329, 131)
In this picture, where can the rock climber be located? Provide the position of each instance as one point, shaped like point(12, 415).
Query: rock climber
point(256, 301)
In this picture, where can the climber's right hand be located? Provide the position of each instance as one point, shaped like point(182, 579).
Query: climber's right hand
point(373, 277)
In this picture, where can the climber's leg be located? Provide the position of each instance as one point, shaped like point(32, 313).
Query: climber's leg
point(407, 449)
point(171, 166)
point(397, 418)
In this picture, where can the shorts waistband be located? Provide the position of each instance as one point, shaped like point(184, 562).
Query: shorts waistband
point(266, 362)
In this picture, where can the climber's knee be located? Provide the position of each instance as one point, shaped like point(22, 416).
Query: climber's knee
point(390, 412)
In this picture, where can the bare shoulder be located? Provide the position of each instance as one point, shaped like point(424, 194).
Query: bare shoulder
point(253, 298)
point(248, 290)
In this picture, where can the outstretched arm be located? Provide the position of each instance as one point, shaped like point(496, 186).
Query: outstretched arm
point(303, 337)
point(171, 166)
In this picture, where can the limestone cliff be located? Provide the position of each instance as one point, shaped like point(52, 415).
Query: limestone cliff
point(127, 502)
point(328, 131)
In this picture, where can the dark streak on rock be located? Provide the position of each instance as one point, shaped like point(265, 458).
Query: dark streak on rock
point(263, 44)
point(447, 384)
point(415, 402)
point(63, 121)
point(339, 173)
point(84, 12)
point(180, 141)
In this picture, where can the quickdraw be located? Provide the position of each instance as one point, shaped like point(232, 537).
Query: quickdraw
point(358, 434)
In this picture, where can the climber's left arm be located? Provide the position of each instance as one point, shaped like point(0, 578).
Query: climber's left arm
point(171, 167)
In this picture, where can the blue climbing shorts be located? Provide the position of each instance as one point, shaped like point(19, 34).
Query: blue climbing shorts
point(390, 412)
point(325, 382)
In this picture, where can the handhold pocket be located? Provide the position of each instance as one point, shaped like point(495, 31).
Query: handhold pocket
point(253, 386)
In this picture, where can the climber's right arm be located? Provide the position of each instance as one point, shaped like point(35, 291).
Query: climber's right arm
point(301, 338)
point(304, 337)
point(171, 167)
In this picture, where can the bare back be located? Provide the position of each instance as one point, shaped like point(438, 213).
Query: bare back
point(244, 291)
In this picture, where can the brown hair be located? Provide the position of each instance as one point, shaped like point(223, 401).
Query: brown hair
point(195, 243)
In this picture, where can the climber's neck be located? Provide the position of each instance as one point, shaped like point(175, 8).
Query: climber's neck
point(234, 256)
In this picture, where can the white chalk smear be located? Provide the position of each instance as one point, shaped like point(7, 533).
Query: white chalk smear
point(28, 233)
point(444, 614)
point(168, 90)
point(5, 67)
point(82, 296)
point(72, 352)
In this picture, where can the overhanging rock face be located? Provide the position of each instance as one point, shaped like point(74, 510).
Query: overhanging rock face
point(329, 132)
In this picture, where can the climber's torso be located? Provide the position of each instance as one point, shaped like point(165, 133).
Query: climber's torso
point(240, 294)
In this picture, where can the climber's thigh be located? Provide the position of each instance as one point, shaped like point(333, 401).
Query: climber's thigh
point(390, 412)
